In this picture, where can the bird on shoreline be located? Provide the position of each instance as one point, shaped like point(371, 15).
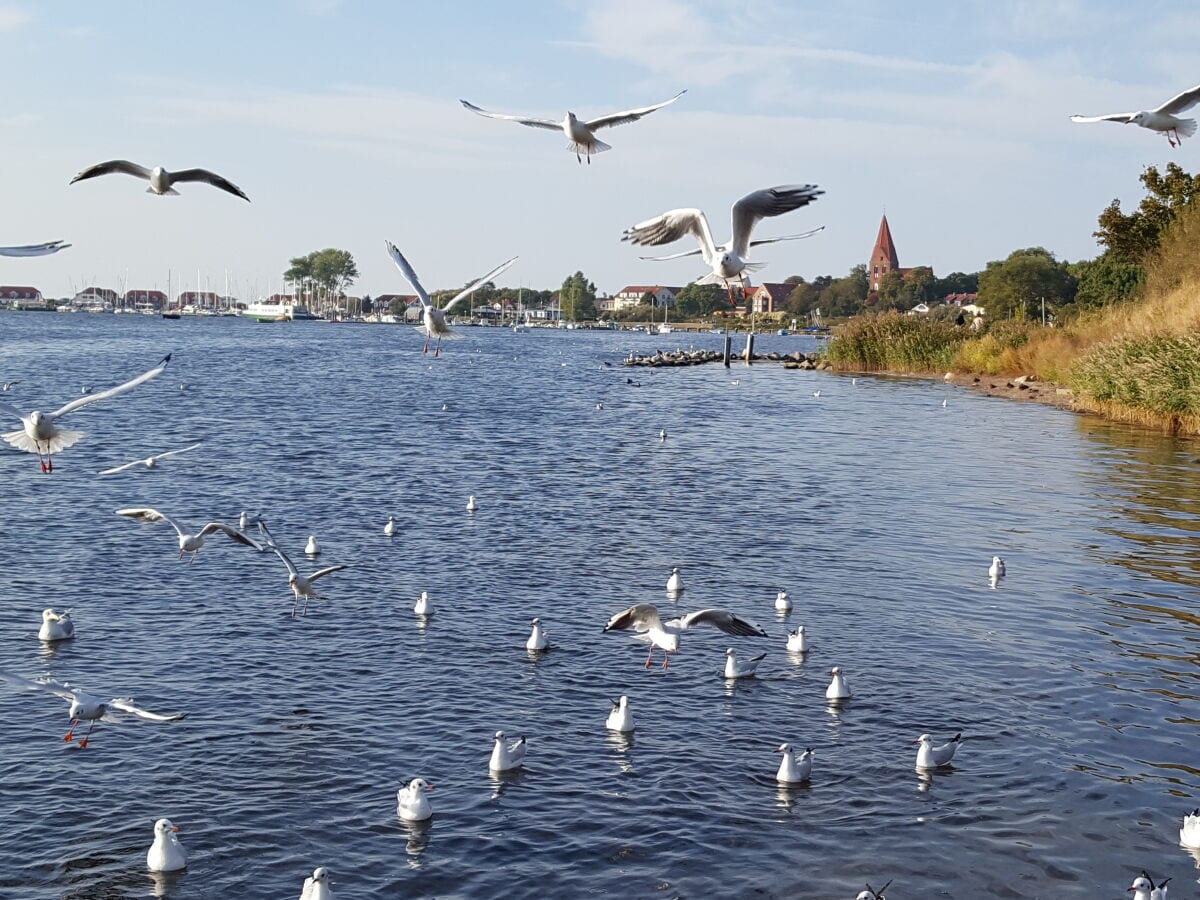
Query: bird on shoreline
point(166, 854)
point(581, 137)
point(728, 262)
point(931, 757)
point(506, 758)
point(792, 770)
point(41, 434)
point(620, 718)
point(435, 319)
point(643, 619)
point(1164, 119)
point(302, 586)
point(56, 626)
point(190, 543)
point(88, 708)
point(150, 462)
point(34, 250)
point(160, 179)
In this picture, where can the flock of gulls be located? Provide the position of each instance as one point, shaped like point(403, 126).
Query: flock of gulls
point(43, 434)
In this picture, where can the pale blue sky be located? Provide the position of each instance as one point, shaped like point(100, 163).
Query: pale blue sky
point(341, 121)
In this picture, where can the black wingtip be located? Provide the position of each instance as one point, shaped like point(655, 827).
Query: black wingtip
point(956, 738)
point(166, 359)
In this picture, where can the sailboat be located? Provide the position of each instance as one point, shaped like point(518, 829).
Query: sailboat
point(665, 327)
point(521, 323)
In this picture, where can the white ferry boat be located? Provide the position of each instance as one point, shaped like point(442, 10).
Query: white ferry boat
point(276, 312)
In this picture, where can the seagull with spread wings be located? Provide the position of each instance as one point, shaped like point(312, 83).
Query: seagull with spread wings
point(34, 249)
point(301, 585)
point(644, 621)
point(728, 262)
point(150, 462)
point(160, 179)
point(41, 434)
point(435, 319)
point(188, 542)
point(581, 137)
point(88, 708)
point(1163, 119)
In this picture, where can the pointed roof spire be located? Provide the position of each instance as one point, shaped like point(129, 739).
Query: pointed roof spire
point(884, 246)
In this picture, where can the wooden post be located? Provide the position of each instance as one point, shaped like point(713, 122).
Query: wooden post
point(749, 346)
point(728, 346)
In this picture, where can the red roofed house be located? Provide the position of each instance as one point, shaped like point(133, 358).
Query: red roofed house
point(19, 295)
point(154, 299)
point(768, 298)
point(200, 299)
point(632, 295)
point(884, 258)
point(960, 299)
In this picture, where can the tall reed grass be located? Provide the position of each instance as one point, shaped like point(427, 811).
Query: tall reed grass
point(891, 342)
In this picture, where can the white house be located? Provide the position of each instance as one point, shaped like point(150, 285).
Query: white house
point(632, 295)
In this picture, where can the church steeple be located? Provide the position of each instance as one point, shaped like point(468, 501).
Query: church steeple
point(883, 256)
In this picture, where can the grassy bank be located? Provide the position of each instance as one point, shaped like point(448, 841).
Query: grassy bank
point(1134, 362)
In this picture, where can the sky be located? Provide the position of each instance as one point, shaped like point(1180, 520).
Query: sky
point(340, 119)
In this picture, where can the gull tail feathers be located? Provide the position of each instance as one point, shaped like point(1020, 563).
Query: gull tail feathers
point(585, 149)
point(753, 266)
point(63, 438)
point(1186, 127)
point(151, 190)
point(717, 278)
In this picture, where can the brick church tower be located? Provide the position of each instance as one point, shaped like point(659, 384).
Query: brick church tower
point(883, 257)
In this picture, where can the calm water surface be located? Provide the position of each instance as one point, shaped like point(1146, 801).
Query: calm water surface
point(1076, 681)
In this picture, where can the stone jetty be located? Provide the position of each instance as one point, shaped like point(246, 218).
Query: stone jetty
point(668, 358)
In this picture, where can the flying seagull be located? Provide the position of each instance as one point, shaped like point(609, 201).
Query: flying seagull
point(727, 261)
point(581, 138)
point(160, 179)
point(85, 707)
point(435, 319)
point(1163, 119)
point(189, 543)
point(150, 462)
point(301, 586)
point(34, 249)
point(41, 434)
point(644, 620)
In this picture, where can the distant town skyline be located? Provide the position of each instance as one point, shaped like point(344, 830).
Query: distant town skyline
point(341, 122)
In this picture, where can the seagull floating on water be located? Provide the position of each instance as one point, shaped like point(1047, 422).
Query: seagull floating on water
point(150, 462)
point(871, 894)
point(1163, 119)
point(189, 543)
point(424, 606)
point(1189, 834)
point(797, 642)
point(34, 250)
point(620, 718)
point(312, 548)
point(301, 585)
point(505, 759)
point(56, 626)
point(390, 528)
point(735, 668)
point(792, 770)
point(675, 582)
point(87, 708)
point(537, 638)
point(317, 886)
point(996, 569)
point(662, 435)
point(783, 602)
point(471, 504)
point(411, 803)
point(728, 262)
point(931, 757)
point(166, 854)
point(581, 138)
point(41, 434)
point(435, 319)
point(838, 688)
point(1143, 888)
point(160, 179)
point(644, 620)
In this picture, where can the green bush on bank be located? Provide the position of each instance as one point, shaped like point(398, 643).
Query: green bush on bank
point(892, 342)
point(1157, 374)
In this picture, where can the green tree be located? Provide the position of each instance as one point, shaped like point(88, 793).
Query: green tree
point(332, 269)
point(893, 293)
point(1129, 237)
point(577, 298)
point(700, 300)
point(1104, 280)
point(847, 295)
point(954, 283)
point(919, 282)
point(1016, 285)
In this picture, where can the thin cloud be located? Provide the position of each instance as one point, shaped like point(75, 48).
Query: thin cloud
point(13, 17)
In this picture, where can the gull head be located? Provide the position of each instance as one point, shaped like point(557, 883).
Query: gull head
point(499, 736)
point(49, 615)
point(150, 463)
point(1142, 882)
point(923, 739)
point(729, 652)
point(571, 116)
point(292, 579)
point(162, 826)
point(35, 417)
point(320, 875)
point(783, 748)
point(835, 671)
point(420, 784)
point(1139, 118)
point(534, 621)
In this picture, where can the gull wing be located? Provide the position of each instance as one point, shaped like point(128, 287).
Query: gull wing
point(208, 177)
point(321, 573)
point(291, 567)
point(48, 685)
point(111, 392)
point(789, 237)
point(638, 618)
point(9, 410)
point(34, 249)
point(723, 619)
point(407, 271)
point(1182, 102)
point(695, 252)
point(146, 514)
point(129, 465)
point(524, 120)
point(774, 201)
point(671, 226)
point(125, 704)
point(194, 446)
point(232, 533)
point(630, 115)
point(479, 283)
point(122, 166)
point(1111, 117)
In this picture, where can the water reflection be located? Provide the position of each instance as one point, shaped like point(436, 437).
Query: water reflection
point(787, 795)
point(417, 834)
point(502, 781)
point(164, 882)
point(621, 743)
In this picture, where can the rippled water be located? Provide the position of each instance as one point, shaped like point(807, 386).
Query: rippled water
point(1076, 681)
